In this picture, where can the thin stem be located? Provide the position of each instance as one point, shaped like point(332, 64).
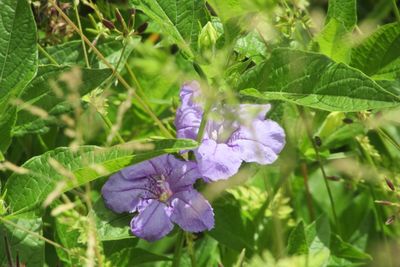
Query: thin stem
point(321, 166)
point(145, 107)
point(396, 10)
point(178, 249)
point(37, 236)
point(203, 122)
point(308, 193)
point(109, 125)
point(44, 52)
point(192, 254)
point(83, 42)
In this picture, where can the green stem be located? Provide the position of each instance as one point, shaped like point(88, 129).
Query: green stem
point(178, 249)
point(83, 42)
point(44, 52)
point(192, 255)
point(321, 166)
point(396, 10)
point(109, 125)
point(203, 122)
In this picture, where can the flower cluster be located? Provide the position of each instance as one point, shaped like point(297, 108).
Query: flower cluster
point(161, 190)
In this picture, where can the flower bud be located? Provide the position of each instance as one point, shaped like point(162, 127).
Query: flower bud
point(390, 184)
point(142, 28)
point(108, 24)
point(390, 220)
point(208, 36)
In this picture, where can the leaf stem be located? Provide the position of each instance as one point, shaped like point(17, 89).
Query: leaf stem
point(178, 249)
point(80, 28)
point(145, 107)
point(44, 52)
point(321, 166)
point(396, 10)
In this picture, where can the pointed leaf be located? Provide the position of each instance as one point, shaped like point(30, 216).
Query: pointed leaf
point(313, 80)
point(28, 190)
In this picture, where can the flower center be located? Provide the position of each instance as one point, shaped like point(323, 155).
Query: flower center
point(161, 188)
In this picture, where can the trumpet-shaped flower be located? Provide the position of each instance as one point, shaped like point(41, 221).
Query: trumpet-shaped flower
point(232, 134)
point(161, 191)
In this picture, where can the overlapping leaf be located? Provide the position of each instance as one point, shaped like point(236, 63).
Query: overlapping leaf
point(313, 80)
point(28, 190)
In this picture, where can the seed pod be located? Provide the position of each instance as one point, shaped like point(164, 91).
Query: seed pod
point(119, 17)
point(142, 27)
point(384, 202)
point(109, 25)
point(390, 220)
point(347, 121)
point(132, 11)
point(333, 178)
point(318, 141)
point(390, 184)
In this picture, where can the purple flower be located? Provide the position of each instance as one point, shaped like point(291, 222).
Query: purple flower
point(232, 134)
point(161, 191)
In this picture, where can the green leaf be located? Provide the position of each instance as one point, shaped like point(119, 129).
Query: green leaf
point(313, 80)
point(41, 92)
point(344, 11)
point(180, 21)
point(29, 190)
point(69, 53)
point(230, 226)
point(379, 55)
point(345, 250)
point(297, 243)
point(134, 257)
point(18, 59)
point(29, 247)
point(334, 41)
point(110, 225)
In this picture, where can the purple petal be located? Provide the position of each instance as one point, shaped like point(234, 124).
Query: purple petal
point(192, 212)
point(153, 221)
point(217, 161)
point(189, 92)
point(123, 190)
point(189, 114)
point(261, 143)
point(183, 174)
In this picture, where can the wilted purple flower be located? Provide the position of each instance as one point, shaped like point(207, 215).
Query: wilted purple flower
point(232, 134)
point(161, 191)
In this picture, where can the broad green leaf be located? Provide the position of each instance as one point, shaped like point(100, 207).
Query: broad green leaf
point(252, 46)
point(230, 226)
point(128, 257)
point(45, 172)
point(18, 59)
point(345, 250)
point(69, 53)
point(110, 225)
point(379, 55)
point(180, 21)
point(42, 92)
point(314, 80)
point(334, 41)
point(344, 11)
point(297, 243)
point(30, 248)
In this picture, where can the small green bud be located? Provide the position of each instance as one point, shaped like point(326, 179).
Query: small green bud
point(207, 37)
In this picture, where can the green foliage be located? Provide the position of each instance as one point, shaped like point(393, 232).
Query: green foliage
point(18, 60)
point(313, 80)
point(330, 70)
point(64, 169)
point(379, 55)
point(180, 21)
